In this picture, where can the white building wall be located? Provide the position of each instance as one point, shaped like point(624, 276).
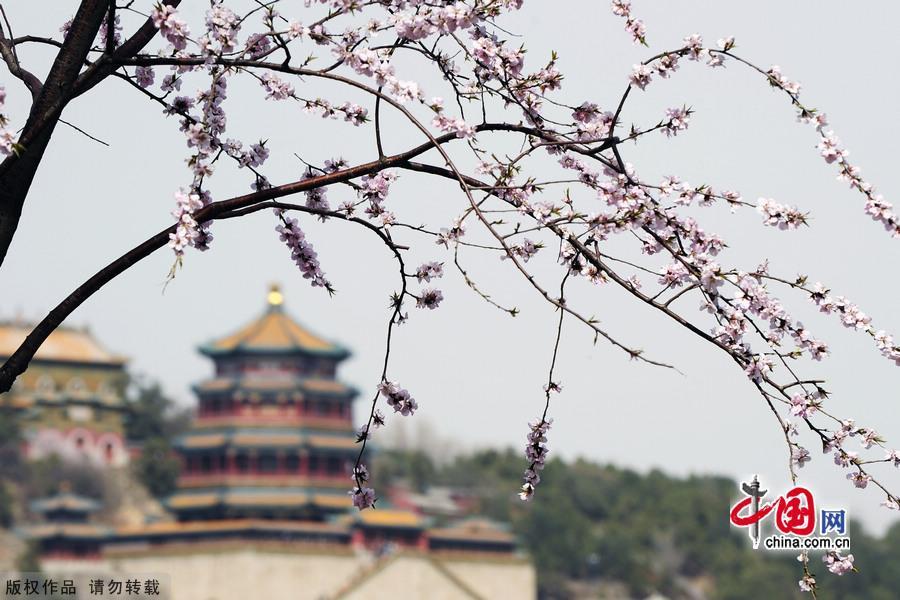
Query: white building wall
point(251, 573)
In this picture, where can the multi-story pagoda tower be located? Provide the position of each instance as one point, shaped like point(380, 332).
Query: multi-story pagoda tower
point(273, 436)
point(262, 506)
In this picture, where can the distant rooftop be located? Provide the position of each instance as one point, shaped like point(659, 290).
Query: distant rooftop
point(64, 500)
point(66, 344)
point(274, 332)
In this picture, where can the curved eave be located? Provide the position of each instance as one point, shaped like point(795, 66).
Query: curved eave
point(71, 531)
point(466, 537)
point(320, 387)
point(91, 400)
point(71, 503)
point(264, 440)
point(238, 527)
point(348, 391)
point(115, 363)
point(304, 498)
point(66, 346)
point(336, 352)
point(387, 518)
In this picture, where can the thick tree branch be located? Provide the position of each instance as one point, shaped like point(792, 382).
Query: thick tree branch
point(64, 82)
point(8, 52)
point(18, 362)
point(18, 170)
point(109, 62)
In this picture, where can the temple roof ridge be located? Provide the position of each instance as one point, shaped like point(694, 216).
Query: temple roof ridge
point(65, 344)
point(275, 331)
point(65, 500)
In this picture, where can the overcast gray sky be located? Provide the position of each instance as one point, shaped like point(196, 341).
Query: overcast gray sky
point(476, 373)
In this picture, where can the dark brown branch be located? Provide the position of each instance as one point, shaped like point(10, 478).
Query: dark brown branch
point(108, 63)
point(36, 39)
point(111, 27)
point(64, 82)
point(18, 362)
point(18, 170)
point(8, 52)
point(84, 133)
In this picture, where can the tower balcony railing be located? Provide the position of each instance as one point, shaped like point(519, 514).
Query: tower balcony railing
point(273, 479)
point(285, 418)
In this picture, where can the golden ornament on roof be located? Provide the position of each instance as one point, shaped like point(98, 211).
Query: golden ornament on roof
point(275, 296)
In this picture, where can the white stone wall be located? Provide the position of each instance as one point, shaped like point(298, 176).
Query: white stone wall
point(494, 579)
point(243, 573)
point(417, 577)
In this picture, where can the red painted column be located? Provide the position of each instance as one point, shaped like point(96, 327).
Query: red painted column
point(358, 538)
point(422, 542)
point(304, 463)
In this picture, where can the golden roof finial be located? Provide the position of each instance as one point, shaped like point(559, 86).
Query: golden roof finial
point(275, 298)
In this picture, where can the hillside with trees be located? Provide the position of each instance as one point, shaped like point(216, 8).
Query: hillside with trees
point(601, 531)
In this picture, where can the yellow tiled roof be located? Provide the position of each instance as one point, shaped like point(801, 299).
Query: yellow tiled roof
point(473, 529)
point(64, 344)
point(331, 501)
point(212, 440)
point(274, 330)
point(259, 499)
point(254, 439)
point(228, 525)
point(193, 500)
point(324, 385)
point(253, 480)
point(328, 441)
point(268, 383)
point(267, 499)
point(18, 402)
point(266, 439)
point(390, 518)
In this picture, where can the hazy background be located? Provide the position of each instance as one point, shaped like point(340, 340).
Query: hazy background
point(476, 373)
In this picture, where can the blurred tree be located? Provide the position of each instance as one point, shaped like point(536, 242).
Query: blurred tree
point(10, 444)
point(151, 414)
point(413, 466)
point(602, 531)
point(6, 505)
point(45, 475)
point(153, 421)
point(29, 560)
point(157, 468)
